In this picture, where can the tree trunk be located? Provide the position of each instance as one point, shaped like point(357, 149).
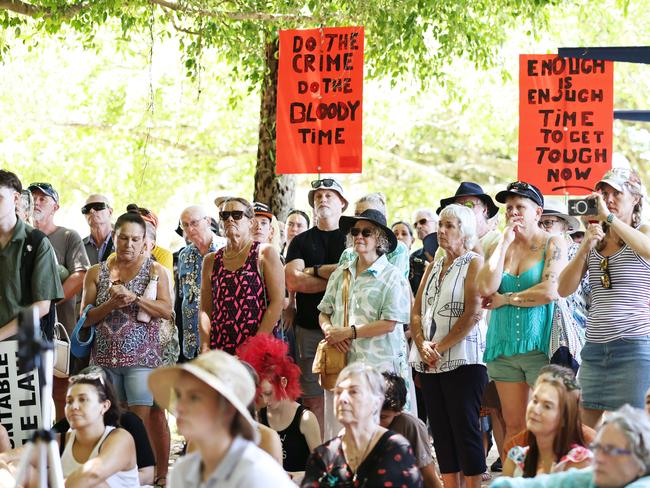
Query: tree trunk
point(277, 191)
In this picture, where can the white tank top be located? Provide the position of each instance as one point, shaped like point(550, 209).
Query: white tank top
point(123, 479)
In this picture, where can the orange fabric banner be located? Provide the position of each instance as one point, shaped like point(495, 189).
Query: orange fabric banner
point(320, 95)
point(566, 113)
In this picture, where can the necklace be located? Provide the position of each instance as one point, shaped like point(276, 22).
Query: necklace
point(357, 460)
point(233, 256)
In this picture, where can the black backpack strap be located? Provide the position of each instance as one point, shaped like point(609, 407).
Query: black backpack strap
point(30, 249)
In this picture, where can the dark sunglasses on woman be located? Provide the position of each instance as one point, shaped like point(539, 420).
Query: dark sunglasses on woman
point(235, 214)
point(96, 206)
point(355, 231)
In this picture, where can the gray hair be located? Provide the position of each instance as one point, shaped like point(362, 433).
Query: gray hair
point(371, 376)
point(376, 201)
point(150, 231)
point(432, 215)
point(634, 424)
point(383, 244)
point(466, 219)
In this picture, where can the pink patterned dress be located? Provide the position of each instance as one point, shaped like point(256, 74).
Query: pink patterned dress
point(238, 301)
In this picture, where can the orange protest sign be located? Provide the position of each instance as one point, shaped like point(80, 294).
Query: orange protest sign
point(320, 93)
point(566, 111)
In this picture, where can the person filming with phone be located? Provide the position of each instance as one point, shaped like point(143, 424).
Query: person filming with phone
point(615, 366)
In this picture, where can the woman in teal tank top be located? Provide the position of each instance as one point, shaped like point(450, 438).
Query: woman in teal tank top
point(519, 284)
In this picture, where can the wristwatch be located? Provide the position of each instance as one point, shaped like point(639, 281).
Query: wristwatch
point(316, 267)
point(610, 218)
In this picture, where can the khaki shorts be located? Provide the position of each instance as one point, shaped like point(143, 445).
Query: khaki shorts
point(519, 368)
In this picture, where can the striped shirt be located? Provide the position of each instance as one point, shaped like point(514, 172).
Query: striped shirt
point(624, 309)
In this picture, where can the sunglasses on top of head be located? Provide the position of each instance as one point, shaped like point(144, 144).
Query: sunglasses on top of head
point(96, 206)
point(235, 214)
point(326, 182)
point(523, 186)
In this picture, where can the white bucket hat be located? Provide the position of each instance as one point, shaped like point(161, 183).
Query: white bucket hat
point(557, 209)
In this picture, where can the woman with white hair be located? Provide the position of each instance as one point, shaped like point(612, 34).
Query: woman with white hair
point(621, 457)
point(448, 328)
point(364, 454)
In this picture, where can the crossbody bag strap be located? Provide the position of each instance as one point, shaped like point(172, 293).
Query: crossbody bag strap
point(346, 292)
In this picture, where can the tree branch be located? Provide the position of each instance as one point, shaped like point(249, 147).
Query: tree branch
point(230, 15)
point(29, 10)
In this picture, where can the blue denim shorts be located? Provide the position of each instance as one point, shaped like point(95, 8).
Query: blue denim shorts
point(615, 373)
point(131, 385)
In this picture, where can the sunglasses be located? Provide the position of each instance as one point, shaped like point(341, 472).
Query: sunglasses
point(326, 182)
point(96, 206)
point(421, 222)
point(523, 186)
point(605, 278)
point(235, 214)
point(355, 231)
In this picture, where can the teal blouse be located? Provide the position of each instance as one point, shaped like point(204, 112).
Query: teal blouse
point(518, 330)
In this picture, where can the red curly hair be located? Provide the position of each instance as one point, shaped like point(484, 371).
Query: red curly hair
point(270, 358)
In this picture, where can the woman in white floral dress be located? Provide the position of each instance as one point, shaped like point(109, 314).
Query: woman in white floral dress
point(378, 303)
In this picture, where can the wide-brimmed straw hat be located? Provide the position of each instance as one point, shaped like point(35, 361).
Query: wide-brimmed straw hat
point(219, 371)
point(370, 215)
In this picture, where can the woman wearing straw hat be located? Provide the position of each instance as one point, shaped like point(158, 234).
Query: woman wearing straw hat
point(209, 396)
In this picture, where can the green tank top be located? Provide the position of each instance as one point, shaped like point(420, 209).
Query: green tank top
point(518, 330)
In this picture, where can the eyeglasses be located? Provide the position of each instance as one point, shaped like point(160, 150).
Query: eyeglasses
point(326, 182)
point(192, 223)
point(548, 223)
point(605, 278)
point(96, 206)
point(235, 214)
point(609, 450)
point(523, 186)
point(355, 231)
point(421, 222)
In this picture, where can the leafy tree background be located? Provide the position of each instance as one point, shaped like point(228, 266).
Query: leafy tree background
point(161, 105)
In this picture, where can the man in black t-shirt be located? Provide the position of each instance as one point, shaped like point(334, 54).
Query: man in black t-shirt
point(312, 257)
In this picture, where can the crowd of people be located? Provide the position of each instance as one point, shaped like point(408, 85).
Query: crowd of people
point(323, 351)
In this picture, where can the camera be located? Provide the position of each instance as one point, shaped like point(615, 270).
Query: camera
point(583, 206)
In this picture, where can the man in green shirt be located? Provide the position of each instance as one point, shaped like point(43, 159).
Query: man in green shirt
point(45, 283)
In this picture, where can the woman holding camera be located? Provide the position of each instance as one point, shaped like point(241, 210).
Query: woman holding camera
point(616, 251)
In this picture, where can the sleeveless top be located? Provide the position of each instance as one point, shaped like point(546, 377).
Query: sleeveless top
point(120, 340)
point(622, 310)
point(121, 479)
point(518, 330)
point(295, 450)
point(443, 302)
point(238, 301)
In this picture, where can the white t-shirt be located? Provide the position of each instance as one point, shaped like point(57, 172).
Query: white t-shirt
point(244, 465)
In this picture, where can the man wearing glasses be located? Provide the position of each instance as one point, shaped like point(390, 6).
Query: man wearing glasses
point(99, 244)
point(426, 226)
point(196, 227)
point(312, 257)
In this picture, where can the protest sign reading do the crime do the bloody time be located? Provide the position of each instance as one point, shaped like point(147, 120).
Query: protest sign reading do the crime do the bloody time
point(566, 109)
point(319, 106)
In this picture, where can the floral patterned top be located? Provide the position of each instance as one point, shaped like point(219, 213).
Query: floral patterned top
point(381, 292)
point(120, 340)
point(577, 454)
point(390, 463)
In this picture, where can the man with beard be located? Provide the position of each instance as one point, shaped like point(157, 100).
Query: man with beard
point(99, 244)
point(312, 257)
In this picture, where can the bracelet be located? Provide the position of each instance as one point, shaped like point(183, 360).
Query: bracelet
point(315, 268)
point(354, 331)
point(610, 218)
point(508, 295)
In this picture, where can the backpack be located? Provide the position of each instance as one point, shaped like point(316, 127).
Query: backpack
point(30, 248)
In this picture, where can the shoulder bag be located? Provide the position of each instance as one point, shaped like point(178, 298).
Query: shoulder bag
point(81, 348)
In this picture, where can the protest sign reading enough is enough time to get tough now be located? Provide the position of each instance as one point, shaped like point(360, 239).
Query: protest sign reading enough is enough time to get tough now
point(320, 94)
point(566, 111)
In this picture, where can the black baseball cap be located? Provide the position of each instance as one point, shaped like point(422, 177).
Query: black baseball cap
point(521, 189)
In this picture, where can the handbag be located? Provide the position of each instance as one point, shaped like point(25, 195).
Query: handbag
point(329, 361)
point(61, 343)
point(81, 348)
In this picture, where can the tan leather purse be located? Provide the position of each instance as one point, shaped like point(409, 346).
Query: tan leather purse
point(329, 361)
